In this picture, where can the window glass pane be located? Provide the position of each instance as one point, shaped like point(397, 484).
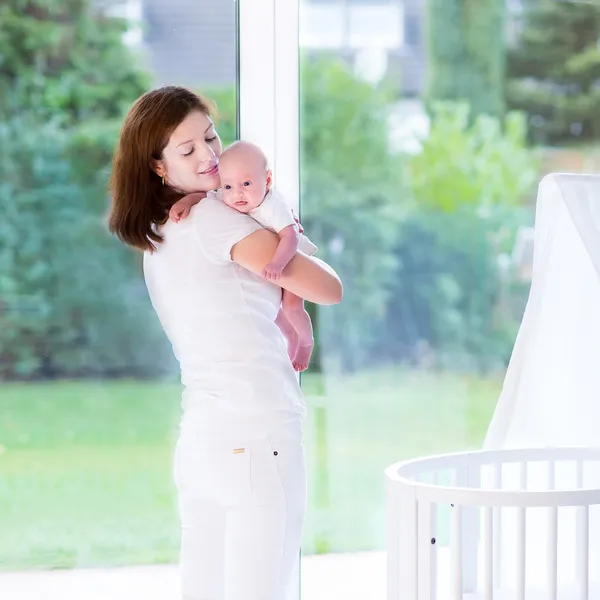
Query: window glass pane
point(89, 394)
point(419, 182)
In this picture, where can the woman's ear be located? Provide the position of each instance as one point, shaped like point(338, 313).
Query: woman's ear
point(158, 167)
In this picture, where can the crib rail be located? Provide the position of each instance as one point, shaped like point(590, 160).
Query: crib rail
point(473, 486)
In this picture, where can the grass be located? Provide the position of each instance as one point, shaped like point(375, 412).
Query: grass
point(85, 467)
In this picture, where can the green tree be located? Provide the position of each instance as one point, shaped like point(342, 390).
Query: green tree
point(226, 112)
point(466, 52)
point(352, 200)
point(70, 301)
point(66, 59)
point(468, 184)
point(554, 68)
point(480, 163)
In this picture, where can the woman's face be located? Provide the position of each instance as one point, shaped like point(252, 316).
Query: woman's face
point(190, 160)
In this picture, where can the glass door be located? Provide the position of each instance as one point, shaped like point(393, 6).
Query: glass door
point(408, 150)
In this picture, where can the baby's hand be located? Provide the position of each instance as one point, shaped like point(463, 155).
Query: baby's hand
point(272, 272)
point(181, 209)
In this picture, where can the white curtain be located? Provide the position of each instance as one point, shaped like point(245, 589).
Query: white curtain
point(551, 393)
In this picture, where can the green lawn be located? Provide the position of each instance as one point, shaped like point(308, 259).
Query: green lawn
point(85, 467)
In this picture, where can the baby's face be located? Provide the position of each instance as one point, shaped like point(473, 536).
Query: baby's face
point(244, 183)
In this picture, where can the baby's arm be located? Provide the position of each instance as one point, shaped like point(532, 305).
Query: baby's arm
point(181, 209)
point(286, 249)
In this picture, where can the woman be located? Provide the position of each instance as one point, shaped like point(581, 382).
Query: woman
point(239, 460)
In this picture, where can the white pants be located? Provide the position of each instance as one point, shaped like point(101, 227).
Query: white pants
point(242, 506)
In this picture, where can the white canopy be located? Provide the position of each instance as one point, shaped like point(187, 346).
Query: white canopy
point(551, 393)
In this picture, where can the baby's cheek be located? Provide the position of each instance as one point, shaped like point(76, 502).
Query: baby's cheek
point(258, 201)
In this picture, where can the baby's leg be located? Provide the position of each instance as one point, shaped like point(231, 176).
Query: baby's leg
point(289, 333)
point(293, 307)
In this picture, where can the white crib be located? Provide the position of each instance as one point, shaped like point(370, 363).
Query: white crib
point(487, 499)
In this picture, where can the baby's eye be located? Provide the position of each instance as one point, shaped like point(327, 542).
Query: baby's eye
point(246, 183)
point(227, 187)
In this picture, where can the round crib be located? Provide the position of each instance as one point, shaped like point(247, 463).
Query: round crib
point(494, 525)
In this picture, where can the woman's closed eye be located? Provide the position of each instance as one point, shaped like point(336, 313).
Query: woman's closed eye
point(208, 141)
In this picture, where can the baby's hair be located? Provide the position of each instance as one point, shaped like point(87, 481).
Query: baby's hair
point(249, 149)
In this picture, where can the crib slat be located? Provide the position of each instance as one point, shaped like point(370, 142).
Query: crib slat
point(497, 529)
point(552, 543)
point(456, 553)
point(552, 557)
point(404, 557)
point(434, 546)
point(469, 477)
point(579, 558)
point(488, 552)
point(427, 550)
point(394, 533)
point(551, 474)
point(521, 538)
point(470, 525)
point(579, 484)
point(520, 553)
point(434, 552)
point(582, 542)
point(523, 476)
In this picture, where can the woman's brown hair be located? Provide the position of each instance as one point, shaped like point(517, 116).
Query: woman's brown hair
point(139, 199)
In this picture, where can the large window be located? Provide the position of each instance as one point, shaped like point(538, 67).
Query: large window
point(409, 134)
point(89, 395)
point(420, 158)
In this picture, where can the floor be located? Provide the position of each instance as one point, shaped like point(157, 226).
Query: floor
point(359, 576)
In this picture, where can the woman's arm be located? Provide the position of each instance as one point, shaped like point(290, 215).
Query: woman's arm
point(307, 277)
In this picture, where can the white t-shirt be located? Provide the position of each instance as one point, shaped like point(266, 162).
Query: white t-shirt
point(219, 317)
point(275, 214)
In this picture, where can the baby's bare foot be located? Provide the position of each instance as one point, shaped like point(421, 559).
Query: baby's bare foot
point(302, 358)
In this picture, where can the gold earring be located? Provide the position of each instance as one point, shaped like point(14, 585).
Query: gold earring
point(163, 180)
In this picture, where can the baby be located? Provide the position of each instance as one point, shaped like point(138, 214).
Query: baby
point(246, 186)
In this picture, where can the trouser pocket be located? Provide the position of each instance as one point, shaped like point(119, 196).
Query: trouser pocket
point(217, 470)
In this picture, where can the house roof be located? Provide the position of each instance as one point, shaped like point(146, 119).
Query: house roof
point(191, 42)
